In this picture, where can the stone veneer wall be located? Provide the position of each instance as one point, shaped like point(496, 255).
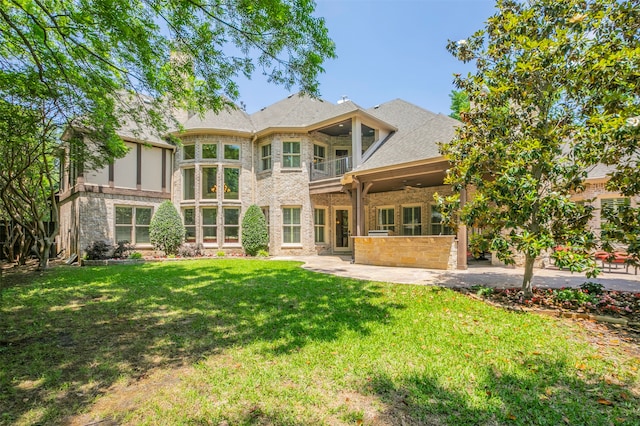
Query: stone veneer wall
point(91, 217)
point(431, 252)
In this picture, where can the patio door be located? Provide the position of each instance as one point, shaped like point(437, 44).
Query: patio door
point(342, 233)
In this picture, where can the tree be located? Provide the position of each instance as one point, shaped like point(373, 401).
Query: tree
point(90, 56)
point(96, 66)
point(255, 235)
point(166, 231)
point(605, 88)
point(459, 103)
point(523, 146)
point(28, 183)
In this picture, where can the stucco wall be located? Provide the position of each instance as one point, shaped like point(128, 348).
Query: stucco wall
point(430, 252)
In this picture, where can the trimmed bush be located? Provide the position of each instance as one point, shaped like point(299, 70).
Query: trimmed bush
point(166, 230)
point(255, 235)
point(99, 250)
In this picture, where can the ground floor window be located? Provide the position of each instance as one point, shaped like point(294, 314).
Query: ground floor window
point(231, 216)
point(436, 223)
point(209, 225)
point(612, 204)
point(291, 225)
point(386, 219)
point(189, 184)
point(411, 220)
point(189, 218)
point(132, 224)
point(319, 222)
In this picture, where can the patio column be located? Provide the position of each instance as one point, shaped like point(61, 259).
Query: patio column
point(462, 235)
point(356, 141)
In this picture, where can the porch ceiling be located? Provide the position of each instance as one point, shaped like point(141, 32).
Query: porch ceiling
point(401, 178)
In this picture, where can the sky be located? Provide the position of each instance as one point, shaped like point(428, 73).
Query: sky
point(387, 49)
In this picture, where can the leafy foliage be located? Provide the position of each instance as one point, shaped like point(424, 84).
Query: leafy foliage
point(166, 230)
point(87, 58)
point(459, 104)
point(29, 178)
point(255, 235)
point(529, 139)
point(99, 250)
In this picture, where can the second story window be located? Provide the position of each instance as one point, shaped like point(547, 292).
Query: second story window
point(291, 154)
point(209, 182)
point(231, 183)
point(188, 152)
point(209, 151)
point(231, 152)
point(265, 157)
point(319, 157)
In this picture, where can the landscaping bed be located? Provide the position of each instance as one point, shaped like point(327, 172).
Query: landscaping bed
point(589, 301)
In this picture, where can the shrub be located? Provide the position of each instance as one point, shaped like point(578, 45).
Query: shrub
point(122, 250)
point(190, 250)
point(99, 250)
point(135, 255)
point(592, 288)
point(482, 291)
point(262, 253)
point(220, 253)
point(166, 230)
point(255, 235)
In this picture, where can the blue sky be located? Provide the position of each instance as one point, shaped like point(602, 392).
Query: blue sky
point(387, 49)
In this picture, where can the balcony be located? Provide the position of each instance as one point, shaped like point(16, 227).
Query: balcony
point(331, 169)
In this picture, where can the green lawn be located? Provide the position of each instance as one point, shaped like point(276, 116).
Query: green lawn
point(266, 342)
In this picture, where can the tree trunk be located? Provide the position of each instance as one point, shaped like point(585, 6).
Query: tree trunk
point(528, 275)
point(44, 252)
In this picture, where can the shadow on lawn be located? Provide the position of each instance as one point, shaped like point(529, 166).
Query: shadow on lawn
point(540, 393)
point(73, 333)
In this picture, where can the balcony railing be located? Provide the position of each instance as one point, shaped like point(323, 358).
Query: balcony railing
point(331, 169)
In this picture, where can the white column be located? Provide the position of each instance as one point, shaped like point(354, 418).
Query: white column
point(356, 141)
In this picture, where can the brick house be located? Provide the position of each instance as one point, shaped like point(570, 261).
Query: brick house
point(324, 174)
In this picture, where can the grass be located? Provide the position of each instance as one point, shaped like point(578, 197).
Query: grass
point(266, 342)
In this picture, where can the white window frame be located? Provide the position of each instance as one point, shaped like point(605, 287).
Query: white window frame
point(388, 226)
point(445, 229)
point(225, 145)
point(184, 151)
point(264, 158)
point(292, 155)
point(133, 225)
point(184, 183)
point(292, 226)
point(203, 144)
point(413, 225)
point(203, 226)
point(320, 227)
point(191, 225)
point(319, 163)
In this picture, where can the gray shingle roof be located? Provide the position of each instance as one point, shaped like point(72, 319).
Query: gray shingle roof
point(419, 132)
point(299, 111)
point(227, 119)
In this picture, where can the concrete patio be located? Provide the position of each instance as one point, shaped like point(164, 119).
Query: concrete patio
point(478, 273)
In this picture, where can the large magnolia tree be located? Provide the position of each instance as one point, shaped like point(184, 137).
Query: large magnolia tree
point(87, 64)
point(547, 104)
